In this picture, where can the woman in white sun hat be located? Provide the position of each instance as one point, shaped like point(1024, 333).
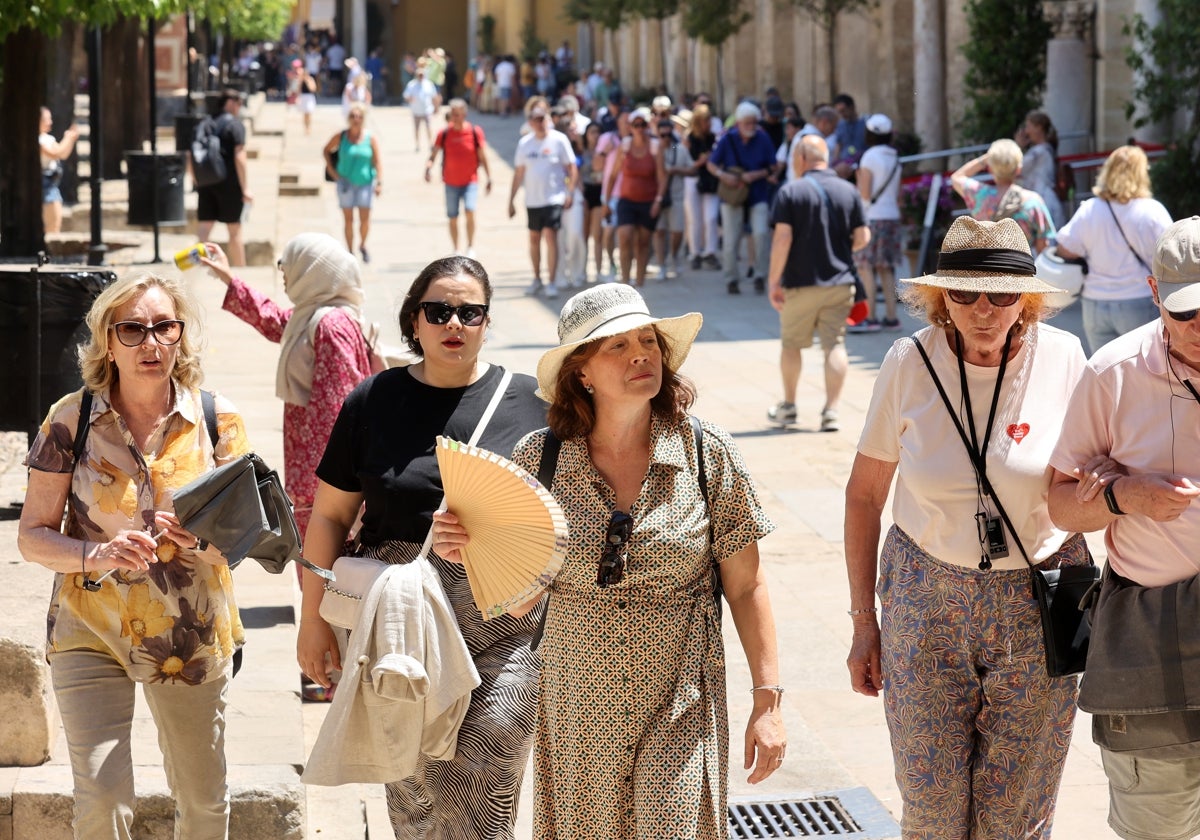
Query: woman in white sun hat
point(632, 736)
point(979, 730)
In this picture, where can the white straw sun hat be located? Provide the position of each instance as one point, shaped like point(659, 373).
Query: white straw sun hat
point(608, 310)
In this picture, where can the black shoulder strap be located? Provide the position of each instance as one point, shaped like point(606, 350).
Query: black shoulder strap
point(718, 587)
point(82, 427)
point(209, 403)
point(891, 175)
point(546, 469)
point(1128, 244)
point(979, 464)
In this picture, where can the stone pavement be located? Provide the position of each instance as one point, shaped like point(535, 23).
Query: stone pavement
point(838, 739)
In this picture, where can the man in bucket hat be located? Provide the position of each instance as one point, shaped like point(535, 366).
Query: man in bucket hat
point(1137, 404)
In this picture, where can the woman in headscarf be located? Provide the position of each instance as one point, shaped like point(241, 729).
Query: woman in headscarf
point(324, 352)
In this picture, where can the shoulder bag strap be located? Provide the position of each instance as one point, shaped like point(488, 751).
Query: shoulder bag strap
point(208, 402)
point(895, 169)
point(475, 435)
point(976, 461)
point(702, 477)
point(82, 427)
point(546, 469)
point(1128, 244)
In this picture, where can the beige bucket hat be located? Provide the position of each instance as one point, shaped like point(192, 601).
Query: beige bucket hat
point(979, 256)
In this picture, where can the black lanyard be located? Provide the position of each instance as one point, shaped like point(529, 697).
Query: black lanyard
point(980, 448)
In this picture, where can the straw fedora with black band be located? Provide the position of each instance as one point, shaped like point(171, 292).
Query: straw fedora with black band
point(604, 311)
point(980, 256)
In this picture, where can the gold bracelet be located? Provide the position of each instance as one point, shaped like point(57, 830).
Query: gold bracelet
point(777, 688)
point(866, 611)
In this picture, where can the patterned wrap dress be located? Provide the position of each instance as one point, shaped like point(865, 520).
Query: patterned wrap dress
point(632, 735)
point(382, 445)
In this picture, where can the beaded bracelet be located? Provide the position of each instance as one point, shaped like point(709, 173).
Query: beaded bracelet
point(866, 611)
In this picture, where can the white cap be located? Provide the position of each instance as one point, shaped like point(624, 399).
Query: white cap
point(879, 124)
point(642, 113)
point(661, 102)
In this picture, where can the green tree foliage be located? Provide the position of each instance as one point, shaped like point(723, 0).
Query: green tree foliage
point(531, 45)
point(826, 13)
point(1006, 66)
point(1167, 85)
point(714, 21)
point(608, 14)
point(47, 16)
point(248, 20)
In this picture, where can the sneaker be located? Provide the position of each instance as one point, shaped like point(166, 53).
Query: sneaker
point(782, 413)
point(535, 288)
point(750, 273)
point(829, 420)
point(697, 261)
point(678, 267)
point(471, 254)
point(732, 288)
point(865, 326)
point(760, 285)
point(551, 290)
point(891, 324)
point(366, 257)
point(711, 261)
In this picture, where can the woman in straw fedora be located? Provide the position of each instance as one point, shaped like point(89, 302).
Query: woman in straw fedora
point(979, 730)
point(632, 724)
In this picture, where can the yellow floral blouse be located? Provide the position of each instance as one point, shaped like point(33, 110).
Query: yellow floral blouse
point(178, 621)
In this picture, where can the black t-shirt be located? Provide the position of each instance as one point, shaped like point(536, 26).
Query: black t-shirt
point(233, 134)
point(820, 254)
point(700, 146)
point(382, 444)
point(774, 131)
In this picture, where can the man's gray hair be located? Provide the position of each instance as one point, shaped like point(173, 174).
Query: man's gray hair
point(457, 102)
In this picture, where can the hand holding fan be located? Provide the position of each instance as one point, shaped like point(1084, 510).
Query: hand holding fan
point(518, 532)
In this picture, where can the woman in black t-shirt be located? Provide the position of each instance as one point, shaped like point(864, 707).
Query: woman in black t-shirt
point(382, 451)
point(700, 202)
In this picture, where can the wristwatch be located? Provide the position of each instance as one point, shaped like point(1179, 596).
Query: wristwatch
point(1110, 499)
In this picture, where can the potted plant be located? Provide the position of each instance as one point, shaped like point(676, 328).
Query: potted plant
point(914, 199)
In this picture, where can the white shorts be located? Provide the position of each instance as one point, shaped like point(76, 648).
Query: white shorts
point(307, 103)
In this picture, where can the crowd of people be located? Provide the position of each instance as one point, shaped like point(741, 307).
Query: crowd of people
point(1003, 441)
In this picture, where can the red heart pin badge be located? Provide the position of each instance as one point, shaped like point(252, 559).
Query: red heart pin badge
point(1018, 432)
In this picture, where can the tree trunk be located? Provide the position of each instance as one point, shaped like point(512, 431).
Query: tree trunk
point(126, 121)
point(60, 98)
point(24, 57)
point(721, 79)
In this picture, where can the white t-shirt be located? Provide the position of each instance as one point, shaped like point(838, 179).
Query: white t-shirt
point(419, 94)
point(505, 73)
point(880, 161)
point(46, 141)
point(545, 161)
point(936, 496)
point(1129, 406)
point(1114, 273)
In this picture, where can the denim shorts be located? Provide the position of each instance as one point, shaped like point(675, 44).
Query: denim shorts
point(355, 195)
point(468, 195)
point(50, 191)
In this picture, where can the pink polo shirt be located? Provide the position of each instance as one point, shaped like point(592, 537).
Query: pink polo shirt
point(1130, 407)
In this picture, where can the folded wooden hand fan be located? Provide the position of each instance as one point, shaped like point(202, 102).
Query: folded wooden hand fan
point(518, 532)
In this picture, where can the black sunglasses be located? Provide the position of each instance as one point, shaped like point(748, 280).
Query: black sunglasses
point(132, 334)
point(1001, 299)
point(612, 561)
point(1182, 316)
point(537, 117)
point(469, 314)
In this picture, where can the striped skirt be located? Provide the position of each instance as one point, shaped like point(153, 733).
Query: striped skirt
point(474, 795)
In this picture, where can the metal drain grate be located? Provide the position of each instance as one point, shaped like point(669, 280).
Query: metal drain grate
point(849, 813)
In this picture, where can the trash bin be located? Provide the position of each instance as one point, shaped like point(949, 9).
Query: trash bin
point(42, 313)
point(185, 129)
point(139, 168)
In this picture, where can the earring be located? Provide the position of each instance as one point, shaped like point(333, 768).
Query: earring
point(589, 389)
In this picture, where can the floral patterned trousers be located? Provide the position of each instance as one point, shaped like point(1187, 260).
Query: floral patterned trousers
point(979, 731)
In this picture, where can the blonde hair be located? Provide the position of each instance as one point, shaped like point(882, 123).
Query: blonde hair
point(701, 124)
point(359, 108)
point(929, 302)
point(537, 102)
point(1004, 159)
point(1124, 176)
point(98, 372)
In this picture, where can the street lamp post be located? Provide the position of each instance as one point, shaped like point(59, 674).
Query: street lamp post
point(97, 249)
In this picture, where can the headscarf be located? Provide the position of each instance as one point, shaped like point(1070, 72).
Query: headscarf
point(321, 276)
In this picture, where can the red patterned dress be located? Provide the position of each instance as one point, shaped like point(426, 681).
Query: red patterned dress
point(340, 362)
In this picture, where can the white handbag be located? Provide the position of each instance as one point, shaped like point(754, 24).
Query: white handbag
point(341, 605)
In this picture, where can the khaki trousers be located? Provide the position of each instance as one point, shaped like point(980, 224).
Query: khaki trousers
point(96, 699)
